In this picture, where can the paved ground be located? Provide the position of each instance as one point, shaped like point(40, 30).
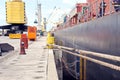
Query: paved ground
point(32, 66)
point(14, 42)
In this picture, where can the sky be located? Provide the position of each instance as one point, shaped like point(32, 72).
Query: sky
point(47, 6)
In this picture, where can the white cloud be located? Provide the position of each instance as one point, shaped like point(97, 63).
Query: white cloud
point(66, 1)
point(71, 2)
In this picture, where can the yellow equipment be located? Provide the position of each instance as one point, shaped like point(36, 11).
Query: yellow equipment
point(15, 36)
point(15, 12)
point(50, 40)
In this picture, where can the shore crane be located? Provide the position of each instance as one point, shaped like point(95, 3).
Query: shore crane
point(15, 17)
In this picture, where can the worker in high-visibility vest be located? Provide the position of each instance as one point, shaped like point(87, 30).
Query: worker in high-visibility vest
point(50, 40)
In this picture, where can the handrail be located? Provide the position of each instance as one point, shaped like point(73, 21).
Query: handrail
point(112, 66)
point(83, 53)
point(106, 56)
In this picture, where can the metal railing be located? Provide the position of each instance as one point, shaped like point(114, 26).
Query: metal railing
point(82, 54)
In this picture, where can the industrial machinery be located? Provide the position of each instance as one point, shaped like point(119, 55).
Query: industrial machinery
point(15, 17)
point(15, 12)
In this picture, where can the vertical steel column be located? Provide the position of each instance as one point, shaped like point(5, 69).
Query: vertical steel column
point(81, 69)
point(84, 61)
point(39, 16)
point(2, 32)
point(97, 9)
point(102, 6)
point(110, 6)
point(61, 66)
point(0, 51)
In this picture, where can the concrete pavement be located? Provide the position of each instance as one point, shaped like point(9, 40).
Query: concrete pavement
point(32, 66)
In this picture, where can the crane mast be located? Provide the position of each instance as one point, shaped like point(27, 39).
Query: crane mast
point(39, 16)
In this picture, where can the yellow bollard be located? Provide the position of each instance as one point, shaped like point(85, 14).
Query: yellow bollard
point(50, 40)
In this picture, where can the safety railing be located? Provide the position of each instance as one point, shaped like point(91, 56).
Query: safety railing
point(83, 54)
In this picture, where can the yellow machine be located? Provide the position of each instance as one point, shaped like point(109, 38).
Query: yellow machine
point(15, 12)
point(15, 16)
point(15, 36)
point(50, 40)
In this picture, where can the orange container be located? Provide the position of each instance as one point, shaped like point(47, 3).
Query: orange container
point(32, 33)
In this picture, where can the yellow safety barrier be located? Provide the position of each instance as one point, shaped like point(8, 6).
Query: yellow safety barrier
point(50, 40)
point(15, 36)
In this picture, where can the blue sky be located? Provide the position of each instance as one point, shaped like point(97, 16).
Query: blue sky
point(64, 6)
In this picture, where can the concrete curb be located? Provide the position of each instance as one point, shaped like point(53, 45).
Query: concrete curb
point(52, 72)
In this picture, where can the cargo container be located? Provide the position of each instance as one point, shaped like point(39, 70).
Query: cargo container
point(32, 31)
